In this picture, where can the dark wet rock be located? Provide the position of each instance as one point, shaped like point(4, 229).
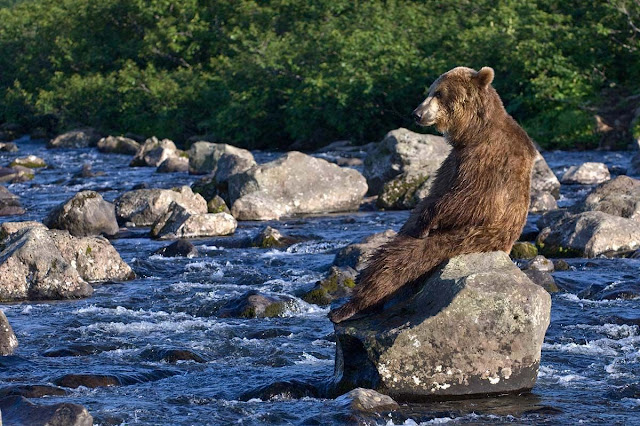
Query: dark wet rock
point(170, 355)
point(232, 163)
point(17, 410)
point(338, 284)
point(403, 152)
point(9, 203)
point(543, 279)
point(143, 207)
point(561, 265)
point(357, 254)
point(30, 162)
point(294, 184)
point(619, 197)
point(8, 228)
point(178, 222)
point(204, 158)
point(153, 152)
point(540, 263)
point(87, 172)
point(80, 138)
point(553, 217)
point(542, 202)
point(8, 147)
point(523, 250)
point(543, 179)
point(614, 291)
point(255, 305)
point(217, 205)
point(630, 390)
point(529, 233)
point(15, 364)
point(367, 400)
point(270, 237)
point(15, 174)
point(33, 268)
point(72, 350)
point(290, 389)
point(104, 380)
point(32, 391)
point(180, 248)
point(635, 164)
point(270, 333)
point(586, 174)
point(8, 340)
point(474, 327)
point(589, 234)
point(84, 214)
point(118, 145)
point(174, 165)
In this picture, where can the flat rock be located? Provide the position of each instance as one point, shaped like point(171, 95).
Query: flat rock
point(586, 174)
point(9, 203)
point(118, 145)
point(153, 152)
point(105, 380)
point(18, 410)
point(474, 327)
point(357, 254)
point(543, 179)
point(143, 207)
point(178, 222)
point(619, 197)
point(204, 158)
point(84, 214)
point(8, 228)
point(32, 391)
point(8, 340)
point(30, 161)
point(79, 138)
point(294, 184)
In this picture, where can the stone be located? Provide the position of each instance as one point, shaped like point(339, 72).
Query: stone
point(174, 165)
point(473, 327)
point(217, 205)
point(153, 152)
point(561, 265)
point(106, 380)
point(586, 174)
point(542, 202)
point(30, 161)
point(32, 268)
point(294, 184)
point(589, 234)
point(170, 355)
point(270, 237)
point(8, 340)
point(32, 391)
point(619, 197)
point(15, 174)
point(404, 191)
point(635, 164)
point(543, 279)
point(8, 147)
point(180, 248)
point(289, 389)
point(143, 207)
point(8, 228)
point(255, 305)
point(179, 222)
point(357, 254)
point(403, 152)
point(18, 410)
point(205, 156)
point(540, 263)
point(338, 284)
point(87, 172)
point(232, 163)
point(543, 179)
point(9, 203)
point(118, 145)
point(367, 400)
point(523, 250)
point(79, 138)
point(84, 214)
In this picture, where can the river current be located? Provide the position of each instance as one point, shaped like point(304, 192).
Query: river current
point(590, 368)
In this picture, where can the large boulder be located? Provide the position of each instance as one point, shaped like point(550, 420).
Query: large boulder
point(79, 138)
point(474, 327)
point(543, 179)
point(589, 234)
point(8, 340)
point(86, 213)
point(8, 228)
point(405, 191)
point(18, 410)
point(143, 207)
point(619, 197)
point(178, 222)
point(294, 184)
point(32, 268)
point(403, 152)
point(587, 174)
point(118, 145)
point(153, 152)
point(204, 157)
point(9, 203)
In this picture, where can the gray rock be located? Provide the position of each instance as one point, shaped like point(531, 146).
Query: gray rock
point(543, 179)
point(178, 222)
point(18, 410)
point(87, 172)
point(589, 234)
point(8, 340)
point(217, 205)
point(143, 207)
point(204, 158)
point(403, 152)
point(270, 237)
point(543, 279)
point(118, 145)
point(30, 162)
point(84, 214)
point(15, 174)
point(33, 268)
point(79, 138)
point(404, 191)
point(174, 165)
point(542, 202)
point(619, 197)
point(8, 228)
point(367, 400)
point(153, 152)
point(9, 203)
point(540, 263)
point(357, 254)
point(180, 248)
point(8, 147)
point(586, 174)
point(232, 163)
point(339, 283)
point(254, 304)
point(294, 184)
point(474, 327)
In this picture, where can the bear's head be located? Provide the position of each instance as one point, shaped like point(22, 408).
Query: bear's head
point(457, 99)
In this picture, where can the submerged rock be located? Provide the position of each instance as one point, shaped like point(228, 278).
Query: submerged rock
point(30, 161)
point(338, 284)
point(17, 410)
point(291, 389)
point(105, 380)
point(8, 147)
point(32, 391)
point(367, 400)
point(153, 152)
point(178, 222)
point(118, 145)
point(204, 158)
point(270, 237)
point(180, 248)
point(170, 355)
point(357, 254)
point(254, 304)
point(84, 214)
point(8, 340)
point(474, 327)
point(143, 207)
point(587, 174)
point(9, 203)
point(619, 197)
point(79, 138)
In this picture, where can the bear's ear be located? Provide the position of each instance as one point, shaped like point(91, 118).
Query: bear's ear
point(485, 76)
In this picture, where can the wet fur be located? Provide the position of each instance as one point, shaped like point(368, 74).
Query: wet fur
point(478, 202)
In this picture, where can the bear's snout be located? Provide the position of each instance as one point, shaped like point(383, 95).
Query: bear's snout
point(417, 115)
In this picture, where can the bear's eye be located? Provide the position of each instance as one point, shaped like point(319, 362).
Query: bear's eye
point(437, 95)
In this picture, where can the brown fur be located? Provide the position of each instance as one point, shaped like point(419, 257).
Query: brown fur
point(479, 199)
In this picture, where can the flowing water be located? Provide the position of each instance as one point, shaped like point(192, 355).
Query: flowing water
point(590, 369)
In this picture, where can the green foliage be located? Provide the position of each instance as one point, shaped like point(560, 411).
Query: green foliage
point(272, 72)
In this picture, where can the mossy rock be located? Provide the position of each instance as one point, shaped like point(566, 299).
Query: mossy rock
point(217, 205)
point(272, 238)
point(255, 305)
point(549, 250)
point(399, 193)
point(523, 250)
point(339, 283)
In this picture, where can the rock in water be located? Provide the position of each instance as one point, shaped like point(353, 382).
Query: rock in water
point(118, 145)
point(474, 327)
point(143, 207)
point(80, 138)
point(17, 410)
point(543, 179)
point(8, 340)
point(619, 197)
point(204, 158)
point(153, 152)
point(587, 174)
point(9, 203)
point(179, 222)
point(85, 214)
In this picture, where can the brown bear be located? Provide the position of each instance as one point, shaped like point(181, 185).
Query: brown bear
point(480, 196)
